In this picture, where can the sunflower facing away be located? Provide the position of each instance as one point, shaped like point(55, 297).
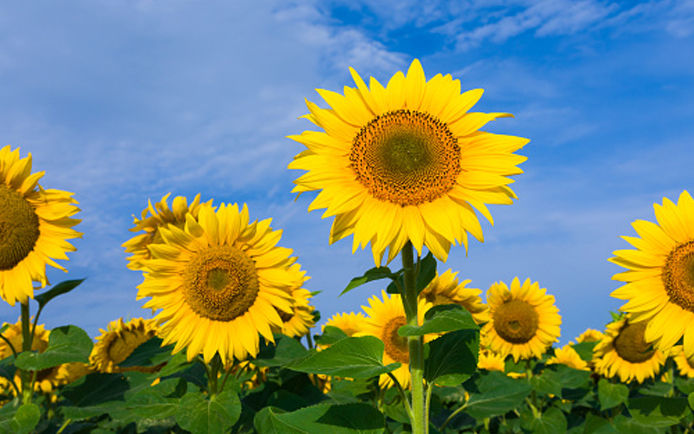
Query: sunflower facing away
point(405, 162)
point(35, 225)
point(660, 277)
point(154, 217)
point(566, 355)
point(349, 323)
point(219, 282)
point(118, 342)
point(524, 320)
point(301, 319)
point(383, 319)
point(445, 289)
point(624, 352)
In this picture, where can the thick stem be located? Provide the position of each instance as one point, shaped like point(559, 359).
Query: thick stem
point(415, 344)
point(27, 340)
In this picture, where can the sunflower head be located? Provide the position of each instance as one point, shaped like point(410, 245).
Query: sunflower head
point(566, 355)
point(490, 361)
point(35, 225)
point(405, 162)
point(685, 366)
point(445, 289)
point(659, 281)
point(118, 342)
point(350, 323)
point(524, 320)
point(220, 281)
point(590, 335)
point(299, 322)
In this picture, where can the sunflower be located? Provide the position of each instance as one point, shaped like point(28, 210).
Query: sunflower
point(350, 323)
point(624, 352)
point(490, 361)
point(219, 282)
point(405, 162)
point(590, 335)
point(35, 225)
point(566, 355)
point(445, 289)
point(660, 277)
point(383, 319)
point(684, 365)
point(154, 217)
point(524, 320)
point(118, 342)
point(301, 319)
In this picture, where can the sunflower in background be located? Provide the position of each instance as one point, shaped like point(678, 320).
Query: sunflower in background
point(35, 225)
point(566, 355)
point(118, 341)
point(405, 162)
point(590, 335)
point(490, 361)
point(218, 282)
point(300, 320)
point(660, 277)
point(445, 289)
point(383, 319)
point(154, 217)
point(524, 320)
point(685, 366)
point(350, 323)
point(624, 352)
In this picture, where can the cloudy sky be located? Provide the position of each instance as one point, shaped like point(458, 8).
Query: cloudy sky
point(120, 102)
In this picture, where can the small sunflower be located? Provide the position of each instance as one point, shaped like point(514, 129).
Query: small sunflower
point(624, 352)
point(490, 361)
point(524, 320)
point(383, 319)
point(405, 162)
point(350, 323)
point(154, 217)
point(684, 365)
point(118, 342)
point(219, 282)
point(35, 225)
point(590, 335)
point(445, 289)
point(660, 276)
point(301, 319)
point(566, 355)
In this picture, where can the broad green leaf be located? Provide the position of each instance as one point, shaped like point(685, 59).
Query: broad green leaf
point(149, 406)
point(571, 378)
point(611, 395)
point(690, 399)
point(452, 358)
point(350, 418)
point(360, 357)
point(285, 350)
point(441, 319)
point(546, 383)
point(19, 420)
point(87, 412)
point(330, 336)
point(58, 289)
point(96, 389)
point(585, 350)
point(597, 425)
point(627, 425)
point(497, 395)
point(427, 271)
point(215, 415)
point(658, 411)
point(176, 363)
point(8, 368)
point(375, 273)
point(684, 385)
point(551, 421)
point(65, 344)
point(149, 353)
point(660, 388)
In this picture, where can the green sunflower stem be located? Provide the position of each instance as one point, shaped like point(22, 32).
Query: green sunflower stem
point(415, 344)
point(27, 340)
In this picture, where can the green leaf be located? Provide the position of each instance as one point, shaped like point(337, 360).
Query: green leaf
point(427, 272)
point(658, 411)
point(19, 420)
point(546, 383)
point(83, 413)
point(690, 399)
point(375, 273)
point(149, 353)
point(571, 378)
point(360, 357)
point(597, 425)
point(97, 389)
point(497, 395)
point(330, 336)
point(452, 358)
point(65, 344)
point(59, 289)
point(4, 327)
point(550, 422)
point(216, 415)
point(7, 368)
point(585, 350)
point(441, 319)
point(349, 418)
point(611, 395)
point(284, 351)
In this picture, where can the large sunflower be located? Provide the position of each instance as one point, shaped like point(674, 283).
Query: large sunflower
point(624, 352)
point(524, 320)
point(445, 289)
point(35, 225)
point(118, 342)
point(153, 217)
point(219, 281)
point(301, 319)
point(660, 280)
point(383, 319)
point(405, 162)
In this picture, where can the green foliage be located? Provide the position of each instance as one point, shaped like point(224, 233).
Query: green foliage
point(441, 319)
point(658, 411)
point(610, 394)
point(376, 273)
point(66, 344)
point(330, 336)
point(61, 288)
point(19, 419)
point(452, 358)
point(335, 419)
point(496, 395)
point(218, 414)
point(283, 352)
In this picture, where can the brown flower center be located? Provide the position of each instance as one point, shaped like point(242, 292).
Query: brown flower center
point(630, 344)
point(406, 157)
point(396, 345)
point(516, 321)
point(19, 228)
point(678, 276)
point(221, 283)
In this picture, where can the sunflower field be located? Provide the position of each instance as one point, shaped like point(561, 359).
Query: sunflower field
point(234, 344)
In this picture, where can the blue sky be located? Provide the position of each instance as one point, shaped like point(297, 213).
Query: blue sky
point(124, 101)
